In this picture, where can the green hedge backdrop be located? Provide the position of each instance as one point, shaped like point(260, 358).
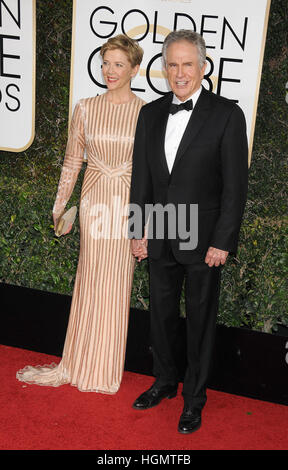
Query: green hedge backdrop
point(254, 284)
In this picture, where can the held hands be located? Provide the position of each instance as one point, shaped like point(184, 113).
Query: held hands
point(139, 248)
point(215, 257)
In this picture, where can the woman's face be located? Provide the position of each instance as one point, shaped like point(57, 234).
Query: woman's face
point(117, 70)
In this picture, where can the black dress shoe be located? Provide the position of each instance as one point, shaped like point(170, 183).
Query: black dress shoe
point(154, 395)
point(190, 420)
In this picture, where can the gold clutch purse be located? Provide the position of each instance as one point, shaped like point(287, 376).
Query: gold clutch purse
point(65, 220)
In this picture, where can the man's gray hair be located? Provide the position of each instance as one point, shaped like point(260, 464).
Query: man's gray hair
point(186, 35)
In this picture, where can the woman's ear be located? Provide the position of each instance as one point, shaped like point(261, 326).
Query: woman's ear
point(135, 70)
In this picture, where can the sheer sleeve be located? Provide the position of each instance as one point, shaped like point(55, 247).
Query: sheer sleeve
point(73, 159)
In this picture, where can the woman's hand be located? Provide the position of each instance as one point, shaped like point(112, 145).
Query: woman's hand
point(56, 219)
point(139, 249)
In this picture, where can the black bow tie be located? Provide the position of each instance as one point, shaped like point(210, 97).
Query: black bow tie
point(174, 108)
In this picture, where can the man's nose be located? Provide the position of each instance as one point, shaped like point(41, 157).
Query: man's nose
point(180, 71)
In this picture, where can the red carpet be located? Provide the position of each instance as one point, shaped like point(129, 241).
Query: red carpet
point(45, 418)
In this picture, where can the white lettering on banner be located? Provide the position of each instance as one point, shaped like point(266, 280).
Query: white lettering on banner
point(104, 15)
point(17, 74)
point(234, 32)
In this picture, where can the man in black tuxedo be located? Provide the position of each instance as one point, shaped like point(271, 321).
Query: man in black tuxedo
point(192, 154)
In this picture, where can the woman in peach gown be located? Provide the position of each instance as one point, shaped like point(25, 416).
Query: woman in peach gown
point(104, 126)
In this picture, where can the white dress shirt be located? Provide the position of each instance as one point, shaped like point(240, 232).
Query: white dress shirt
point(176, 126)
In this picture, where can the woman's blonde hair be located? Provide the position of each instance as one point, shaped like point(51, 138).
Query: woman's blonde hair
point(129, 46)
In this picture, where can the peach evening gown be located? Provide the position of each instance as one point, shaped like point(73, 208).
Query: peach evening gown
point(95, 344)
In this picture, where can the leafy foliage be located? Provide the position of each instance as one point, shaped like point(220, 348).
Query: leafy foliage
point(253, 285)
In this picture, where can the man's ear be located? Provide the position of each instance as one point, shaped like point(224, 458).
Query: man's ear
point(203, 69)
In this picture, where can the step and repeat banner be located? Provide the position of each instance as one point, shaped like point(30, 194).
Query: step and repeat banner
point(17, 74)
point(234, 32)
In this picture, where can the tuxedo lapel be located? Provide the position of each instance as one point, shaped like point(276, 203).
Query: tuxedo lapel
point(196, 121)
point(160, 131)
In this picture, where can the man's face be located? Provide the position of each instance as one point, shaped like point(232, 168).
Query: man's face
point(183, 70)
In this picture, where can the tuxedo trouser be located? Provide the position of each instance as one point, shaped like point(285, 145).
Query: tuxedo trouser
point(202, 287)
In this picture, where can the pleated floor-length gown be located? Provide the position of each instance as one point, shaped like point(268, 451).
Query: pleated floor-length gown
point(95, 344)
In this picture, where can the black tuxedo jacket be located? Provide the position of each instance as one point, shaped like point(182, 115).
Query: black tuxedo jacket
point(210, 170)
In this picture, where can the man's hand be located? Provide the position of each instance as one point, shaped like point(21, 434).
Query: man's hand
point(139, 248)
point(215, 257)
